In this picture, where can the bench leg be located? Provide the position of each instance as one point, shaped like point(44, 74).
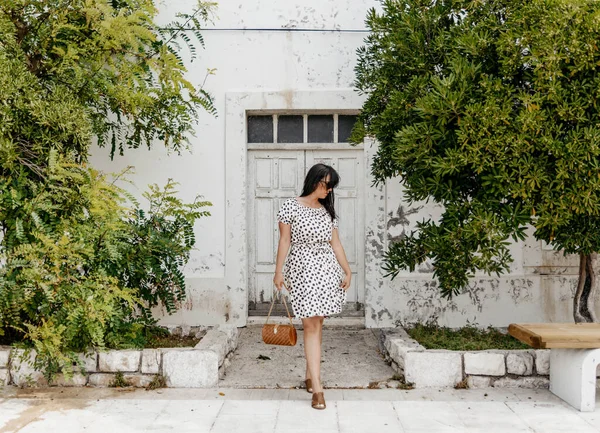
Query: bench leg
point(573, 376)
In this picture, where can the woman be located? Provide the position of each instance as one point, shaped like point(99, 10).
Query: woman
point(316, 271)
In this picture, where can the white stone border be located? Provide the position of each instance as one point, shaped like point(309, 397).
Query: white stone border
point(237, 104)
point(197, 367)
point(481, 369)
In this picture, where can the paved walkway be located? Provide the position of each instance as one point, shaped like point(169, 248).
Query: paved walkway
point(350, 359)
point(288, 411)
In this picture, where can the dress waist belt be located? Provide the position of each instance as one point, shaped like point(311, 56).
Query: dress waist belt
point(310, 243)
point(315, 248)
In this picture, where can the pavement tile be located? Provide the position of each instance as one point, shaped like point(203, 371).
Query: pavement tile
point(269, 394)
point(250, 407)
point(366, 416)
point(178, 393)
point(428, 394)
point(436, 429)
point(247, 423)
point(301, 394)
point(546, 417)
point(493, 429)
point(539, 396)
point(374, 394)
point(95, 419)
point(592, 418)
point(192, 409)
point(138, 407)
point(253, 394)
point(428, 415)
point(332, 394)
point(489, 395)
point(11, 410)
point(300, 417)
point(485, 415)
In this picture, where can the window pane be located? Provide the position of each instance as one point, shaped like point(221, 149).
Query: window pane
point(260, 129)
point(345, 124)
point(320, 129)
point(290, 129)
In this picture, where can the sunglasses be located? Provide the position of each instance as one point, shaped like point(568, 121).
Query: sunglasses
point(327, 185)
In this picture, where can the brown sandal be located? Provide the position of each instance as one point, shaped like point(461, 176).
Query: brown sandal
point(318, 400)
point(308, 384)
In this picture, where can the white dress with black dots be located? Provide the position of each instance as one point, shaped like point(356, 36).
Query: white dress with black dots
point(311, 270)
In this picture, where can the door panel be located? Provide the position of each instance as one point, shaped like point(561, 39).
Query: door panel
point(274, 176)
point(349, 206)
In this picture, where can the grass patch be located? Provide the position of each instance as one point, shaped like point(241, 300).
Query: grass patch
point(152, 337)
point(119, 382)
point(158, 381)
point(463, 384)
point(159, 337)
point(403, 383)
point(467, 338)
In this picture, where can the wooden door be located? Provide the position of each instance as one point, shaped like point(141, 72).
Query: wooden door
point(273, 177)
point(277, 175)
point(349, 205)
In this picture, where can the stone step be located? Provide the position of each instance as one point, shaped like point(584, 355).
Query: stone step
point(332, 322)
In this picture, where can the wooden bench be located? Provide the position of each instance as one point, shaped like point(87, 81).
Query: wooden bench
point(574, 357)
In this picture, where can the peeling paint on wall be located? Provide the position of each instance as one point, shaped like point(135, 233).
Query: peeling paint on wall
point(480, 290)
point(205, 264)
point(398, 223)
point(520, 289)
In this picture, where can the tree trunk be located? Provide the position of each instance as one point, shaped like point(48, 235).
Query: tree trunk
point(583, 302)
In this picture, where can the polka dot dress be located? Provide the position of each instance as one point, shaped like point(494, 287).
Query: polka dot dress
point(311, 269)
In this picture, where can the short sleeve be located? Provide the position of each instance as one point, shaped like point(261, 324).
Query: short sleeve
point(335, 223)
point(286, 212)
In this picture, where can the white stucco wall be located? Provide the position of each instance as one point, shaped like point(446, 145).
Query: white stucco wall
point(284, 59)
point(300, 54)
point(539, 287)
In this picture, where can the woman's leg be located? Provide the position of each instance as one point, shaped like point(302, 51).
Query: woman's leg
point(312, 350)
point(307, 376)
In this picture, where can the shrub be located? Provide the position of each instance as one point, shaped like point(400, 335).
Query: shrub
point(81, 270)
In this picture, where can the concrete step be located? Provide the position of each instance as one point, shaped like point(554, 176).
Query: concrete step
point(332, 322)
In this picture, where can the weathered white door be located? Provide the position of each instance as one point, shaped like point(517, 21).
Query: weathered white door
point(273, 177)
point(349, 205)
point(276, 175)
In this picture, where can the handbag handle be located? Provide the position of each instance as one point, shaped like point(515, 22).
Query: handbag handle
point(284, 303)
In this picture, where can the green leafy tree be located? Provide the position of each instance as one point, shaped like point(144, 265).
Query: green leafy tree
point(80, 268)
point(76, 68)
point(490, 109)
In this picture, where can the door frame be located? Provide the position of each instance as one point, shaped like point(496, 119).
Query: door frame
point(237, 107)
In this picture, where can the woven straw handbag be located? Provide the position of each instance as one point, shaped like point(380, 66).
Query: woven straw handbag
point(282, 335)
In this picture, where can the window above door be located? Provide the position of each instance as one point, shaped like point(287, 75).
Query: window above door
point(299, 130)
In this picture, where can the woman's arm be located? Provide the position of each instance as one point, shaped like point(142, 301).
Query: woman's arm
point(340, 255)
point(285, 239)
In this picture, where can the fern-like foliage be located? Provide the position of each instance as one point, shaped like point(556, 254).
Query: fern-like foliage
point(82, 271)
point(159, 242)
point(81, 264)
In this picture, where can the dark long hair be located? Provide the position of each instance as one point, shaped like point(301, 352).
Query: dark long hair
point(317, 173)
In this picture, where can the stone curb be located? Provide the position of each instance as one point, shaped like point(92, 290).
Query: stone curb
point(527, 368)
point(197, 367)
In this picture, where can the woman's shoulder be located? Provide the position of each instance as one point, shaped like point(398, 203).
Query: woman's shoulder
point(290, 202)
point(287, 211)
point(289, 205)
